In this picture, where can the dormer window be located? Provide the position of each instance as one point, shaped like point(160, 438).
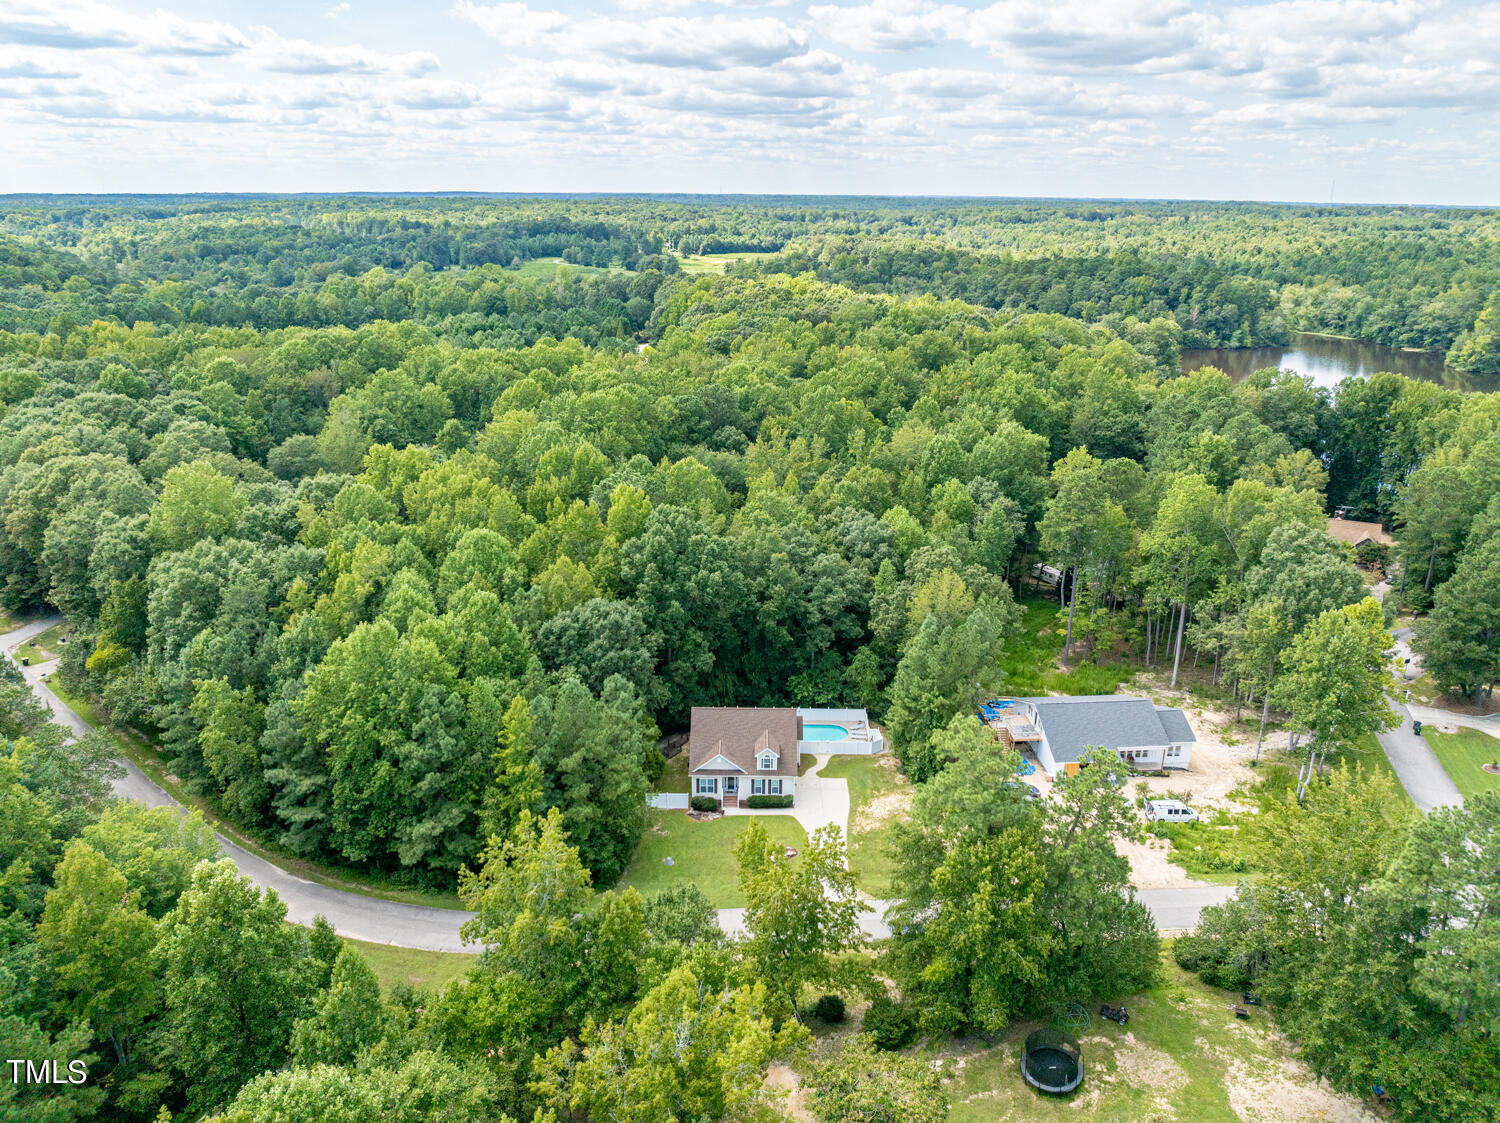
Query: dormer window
point(767, 762)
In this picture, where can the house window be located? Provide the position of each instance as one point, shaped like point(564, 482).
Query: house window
point(704, 785)
point(1175, 750)
point(757, 787)
point(775, 786)
point(767, 763)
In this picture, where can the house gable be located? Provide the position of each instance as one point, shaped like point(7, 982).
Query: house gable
point(718, 763)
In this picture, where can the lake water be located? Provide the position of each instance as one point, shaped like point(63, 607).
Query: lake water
point(1329, 361)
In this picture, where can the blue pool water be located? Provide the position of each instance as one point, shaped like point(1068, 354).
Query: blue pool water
point(824, 733)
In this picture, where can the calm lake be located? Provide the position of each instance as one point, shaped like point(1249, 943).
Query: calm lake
point(1329, 361)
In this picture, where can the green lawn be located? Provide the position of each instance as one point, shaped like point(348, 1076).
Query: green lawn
point(146, 757)
point(674, 776)
point(548, 267)
point(1462, 753)
point(431, 970)
point(701, 853)
point(712, 263)
point(1183, 1056)
point(871, 778)
point(44, 647)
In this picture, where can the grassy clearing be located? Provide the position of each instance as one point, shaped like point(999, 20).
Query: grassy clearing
point(1462, 753)
point(702, 853)
point(43, 648)
point(149, 760)
point(430, 970)
point(1183, 1056)
point(1223, 849)
point(547, 268)
point(1030, 660)
point(872, 780)
point(674, 777)
point(712, 263)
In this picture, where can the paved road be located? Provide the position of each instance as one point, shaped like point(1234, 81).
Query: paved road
point(1172, 909)
point(414, 926)
point(1416, 765)
point(1431, 715)
point(351, 914)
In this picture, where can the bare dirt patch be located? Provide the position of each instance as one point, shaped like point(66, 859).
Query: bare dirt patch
point(883, 809)
point(1290, 1094)
point(782, 1079)
point(1150, 868)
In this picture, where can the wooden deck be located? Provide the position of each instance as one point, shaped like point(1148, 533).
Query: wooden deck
point(1015, 730)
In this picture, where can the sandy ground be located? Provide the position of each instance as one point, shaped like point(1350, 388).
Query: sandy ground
point(1290, 1096)
point(890, 806)
point(1217, 769)
point(783, 1079)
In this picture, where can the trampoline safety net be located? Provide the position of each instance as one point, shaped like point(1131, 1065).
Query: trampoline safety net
point(1052, 1061)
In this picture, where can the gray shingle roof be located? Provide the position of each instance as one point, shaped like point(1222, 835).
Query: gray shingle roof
point(1175, 722)
point(1113, 721)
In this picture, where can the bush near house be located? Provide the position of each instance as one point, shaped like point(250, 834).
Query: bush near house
point(703, 803)
point(768, 801)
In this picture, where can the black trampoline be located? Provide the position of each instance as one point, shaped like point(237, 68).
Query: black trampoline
point(1051, 1061)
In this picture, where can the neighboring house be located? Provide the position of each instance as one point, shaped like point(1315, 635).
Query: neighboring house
point(1358, 534)
point(1060, 730)
point(735, 752)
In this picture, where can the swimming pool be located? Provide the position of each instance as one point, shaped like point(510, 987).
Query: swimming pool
point(824, 733)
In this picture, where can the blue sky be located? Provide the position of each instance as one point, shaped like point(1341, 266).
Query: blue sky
point(1367, 100)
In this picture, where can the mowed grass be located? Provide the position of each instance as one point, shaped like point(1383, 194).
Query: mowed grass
point(154, 764)
point(712, 263)
point(1462, 753)
point(424, 970)
point(701, 853)
point(44, 647)
point(1182, 1056)
point(871, 779)
point(547, 268)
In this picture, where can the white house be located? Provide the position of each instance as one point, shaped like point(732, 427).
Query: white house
point(1060, 730)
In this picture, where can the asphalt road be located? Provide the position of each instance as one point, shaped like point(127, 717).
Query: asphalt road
point(431, 929)
point(1412, 758)
point(1172, 909)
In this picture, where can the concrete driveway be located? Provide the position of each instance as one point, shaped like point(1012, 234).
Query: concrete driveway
point(820, 801)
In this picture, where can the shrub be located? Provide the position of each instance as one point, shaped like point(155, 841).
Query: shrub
point(769, 801)
point(703, 803)
point(890, 1025)
point(830, 1009)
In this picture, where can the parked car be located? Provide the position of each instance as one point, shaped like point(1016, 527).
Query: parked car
point(1029, 791)
point(1170, 811)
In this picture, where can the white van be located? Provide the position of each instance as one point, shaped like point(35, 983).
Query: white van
point(1170, 811)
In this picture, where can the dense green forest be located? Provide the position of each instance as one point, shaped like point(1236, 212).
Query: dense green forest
point(406, 547)
point(1228, 275)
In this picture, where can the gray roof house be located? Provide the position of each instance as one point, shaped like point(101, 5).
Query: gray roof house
point(1133, 728)
point(735, 752)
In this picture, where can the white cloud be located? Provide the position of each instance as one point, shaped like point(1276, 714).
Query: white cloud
point(910, 94)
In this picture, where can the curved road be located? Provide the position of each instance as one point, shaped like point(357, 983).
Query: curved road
point(432, 929)
point(1412, 758)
